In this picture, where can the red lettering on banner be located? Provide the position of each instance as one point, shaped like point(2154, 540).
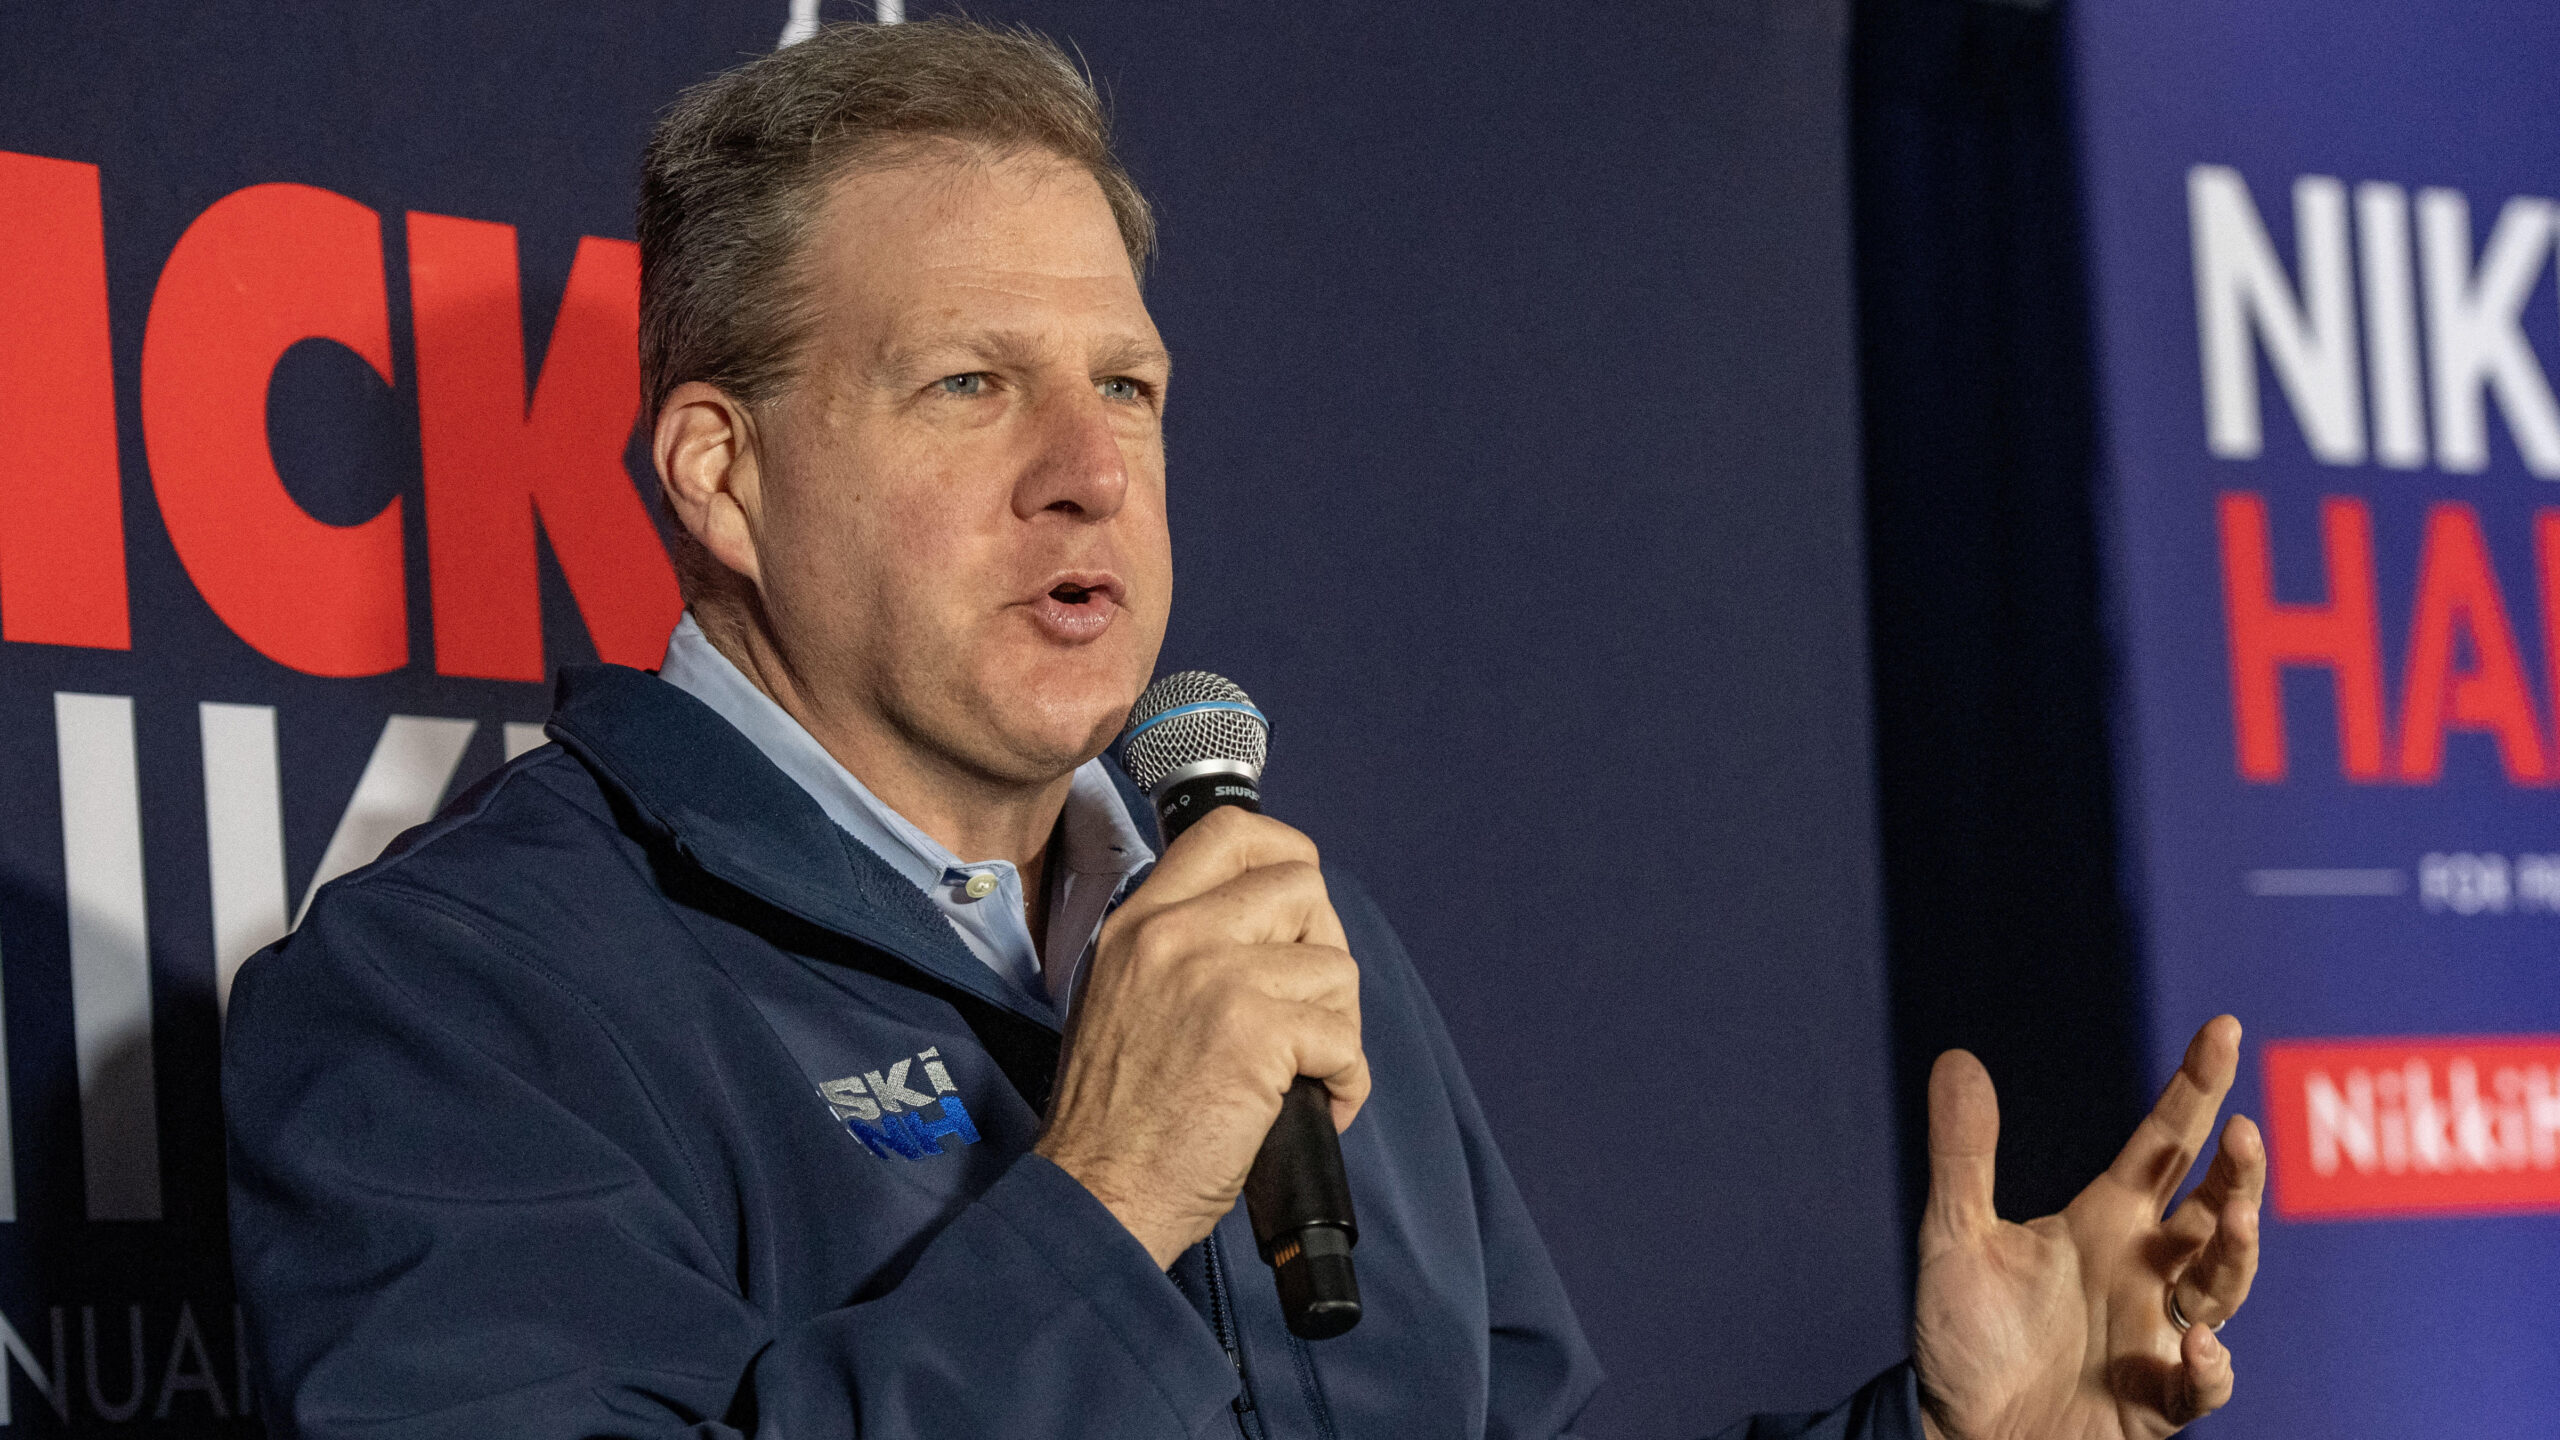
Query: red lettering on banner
point(2458, 592)
point(2368, 1128)
point(494, 462)
point(260, 271)
point(2342, 636)
point(62, 511)
point(2546, 554)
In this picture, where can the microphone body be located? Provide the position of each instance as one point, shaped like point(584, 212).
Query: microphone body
point(1195, 743)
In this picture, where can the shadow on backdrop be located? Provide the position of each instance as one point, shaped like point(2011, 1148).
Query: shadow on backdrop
point(2006, 931)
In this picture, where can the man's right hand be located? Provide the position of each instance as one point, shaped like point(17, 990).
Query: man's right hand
point(1215, 985)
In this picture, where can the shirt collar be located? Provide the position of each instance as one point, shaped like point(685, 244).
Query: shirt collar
point(1097, 836)
point(693, 781)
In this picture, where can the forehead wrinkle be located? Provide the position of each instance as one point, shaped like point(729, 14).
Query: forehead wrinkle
point(991, 283)
point(938, 181)
point(1014, 347)
point(1002, 345)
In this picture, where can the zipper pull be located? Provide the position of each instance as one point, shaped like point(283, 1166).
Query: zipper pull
point(1222, 1320)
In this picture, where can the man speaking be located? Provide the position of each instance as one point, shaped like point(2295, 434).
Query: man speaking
point(812, 1041)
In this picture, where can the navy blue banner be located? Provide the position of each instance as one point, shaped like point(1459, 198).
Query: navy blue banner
point(2324, 298)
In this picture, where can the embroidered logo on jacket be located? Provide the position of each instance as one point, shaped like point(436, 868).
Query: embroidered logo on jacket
point(889, 1118)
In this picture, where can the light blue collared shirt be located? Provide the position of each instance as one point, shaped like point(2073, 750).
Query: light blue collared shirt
point(1099, 848)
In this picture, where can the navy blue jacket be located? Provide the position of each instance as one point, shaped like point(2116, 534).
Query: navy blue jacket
point(631, 1097)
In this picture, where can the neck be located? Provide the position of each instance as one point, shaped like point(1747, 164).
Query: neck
point(973, 815)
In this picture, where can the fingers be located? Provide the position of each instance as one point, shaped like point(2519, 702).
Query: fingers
point(2164, 1146)
point(1278, 903)
point(1301, 1039)
point(1278, 1010)
point(1222, 845)
point(2239, 1169)
point(1217, 985)
point(2212, 1288)
point(1298, 1006)
point(2204, 1365)
point(1282, 1038)
point(1273, 922)
point(1287, 1011)
point(2192, 1224)
point(1328, 1048)
point(1317, 975)
point(1964, 1144)
point(1236, 878)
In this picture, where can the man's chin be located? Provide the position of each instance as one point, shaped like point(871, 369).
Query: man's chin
point(1030, 761)
point(1075, 702)
point(1037, 746)
point(1032, 714)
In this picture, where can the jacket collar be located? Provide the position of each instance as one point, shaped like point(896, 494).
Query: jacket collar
point(730, 811)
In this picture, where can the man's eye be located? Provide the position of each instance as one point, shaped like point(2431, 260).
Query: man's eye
point(1118, 387)
point(974, 383)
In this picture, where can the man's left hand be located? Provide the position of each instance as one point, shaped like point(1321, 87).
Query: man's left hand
point(2061, 1328)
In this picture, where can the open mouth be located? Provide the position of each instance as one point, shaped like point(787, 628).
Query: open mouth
point(1076, 610)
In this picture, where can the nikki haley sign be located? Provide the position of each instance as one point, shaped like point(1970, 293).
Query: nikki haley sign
point(2323, 262)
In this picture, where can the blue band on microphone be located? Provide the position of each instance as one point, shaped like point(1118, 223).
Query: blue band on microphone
point(1195, 708)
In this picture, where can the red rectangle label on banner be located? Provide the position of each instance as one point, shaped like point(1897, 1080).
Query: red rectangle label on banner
point(2434, 1125)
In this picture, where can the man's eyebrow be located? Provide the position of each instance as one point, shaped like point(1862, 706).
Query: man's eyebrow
point(1133, 354)
point(1014, 347)
point(1000, 346)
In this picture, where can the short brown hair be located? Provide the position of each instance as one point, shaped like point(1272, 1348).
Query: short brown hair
point(735, 171)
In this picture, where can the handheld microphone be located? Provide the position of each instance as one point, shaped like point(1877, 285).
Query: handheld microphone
point(1194, 743)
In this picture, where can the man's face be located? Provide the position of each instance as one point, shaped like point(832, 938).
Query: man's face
point(961, 531)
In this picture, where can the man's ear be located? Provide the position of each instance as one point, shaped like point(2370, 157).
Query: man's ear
point(706, 453)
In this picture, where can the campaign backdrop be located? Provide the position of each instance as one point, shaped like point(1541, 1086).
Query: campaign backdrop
point(2322, 267)
point(1514, 466)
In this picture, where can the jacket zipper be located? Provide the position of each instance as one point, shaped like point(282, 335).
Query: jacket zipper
point(1214, 1273)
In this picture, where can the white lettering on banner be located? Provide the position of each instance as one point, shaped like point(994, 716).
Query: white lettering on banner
point(2466, 884)
point(114, 1412)
point(2538, 882)
point(412, 766)
point(110, 954)
point(2341, 1122)
point(522, 736)
point(2392, 1121)
point(2474, 342)
point(189, 1368)
point(405, 779)
point(55, 1390)
point(2390, 325)
point(2487, 883)
point(2473, 334)
point(186, 1349)
point(2242, 290)
point(244, 835)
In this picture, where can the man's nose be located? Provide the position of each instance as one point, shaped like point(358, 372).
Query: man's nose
point(1076, 467)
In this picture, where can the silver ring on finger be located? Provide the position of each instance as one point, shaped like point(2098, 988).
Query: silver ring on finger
point(2179, 1318)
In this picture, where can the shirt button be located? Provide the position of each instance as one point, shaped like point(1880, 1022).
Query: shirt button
point(980, 886)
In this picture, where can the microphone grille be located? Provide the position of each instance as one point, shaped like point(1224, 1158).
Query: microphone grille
point(1188, 717)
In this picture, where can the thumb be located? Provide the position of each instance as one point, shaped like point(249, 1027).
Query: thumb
point(1964, 1139)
